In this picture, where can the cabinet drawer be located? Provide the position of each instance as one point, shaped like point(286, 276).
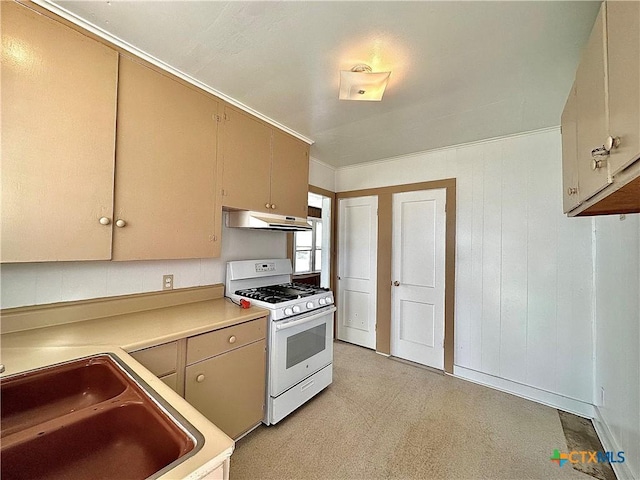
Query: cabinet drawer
point(220, 341)
point(160, 360)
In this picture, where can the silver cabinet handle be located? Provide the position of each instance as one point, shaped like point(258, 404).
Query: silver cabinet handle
point(597, 163)
point(611, 143)
point(572, 191)
point(120, 223)
point(104, 220)
point(200, 378)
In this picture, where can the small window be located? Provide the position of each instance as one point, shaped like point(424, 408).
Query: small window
point(308, 249)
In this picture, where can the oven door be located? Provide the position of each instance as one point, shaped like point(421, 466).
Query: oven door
point(300, 347)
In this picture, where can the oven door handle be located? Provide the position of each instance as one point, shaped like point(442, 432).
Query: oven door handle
point(295, 323)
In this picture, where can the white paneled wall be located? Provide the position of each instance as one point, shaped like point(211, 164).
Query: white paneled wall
point(523, 269)
point(618, 337)
point(322, 175)
point(40, 283)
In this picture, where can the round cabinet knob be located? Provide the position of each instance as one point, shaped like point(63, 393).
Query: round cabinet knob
point(267, 205)
point(273, 207)
point(105, 220)
point(322, 301)
point(200, 378)
point(396, 283)
point(597, 163)
point(232, 339)
point(612, 142)
point(288, 311)
point(329, 300)
point(296, 309)
point(309, 305)
point(572, 191)
point(120, 223)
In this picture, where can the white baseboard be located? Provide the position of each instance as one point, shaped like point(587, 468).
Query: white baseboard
point(623, 471)
point(554, 400)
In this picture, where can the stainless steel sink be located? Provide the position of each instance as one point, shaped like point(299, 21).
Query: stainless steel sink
point(89, 418)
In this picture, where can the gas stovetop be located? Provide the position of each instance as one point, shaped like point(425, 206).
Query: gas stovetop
point(267, 284)
point(281, 293)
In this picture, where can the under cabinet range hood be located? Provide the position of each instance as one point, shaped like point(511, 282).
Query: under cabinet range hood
point(266, 221)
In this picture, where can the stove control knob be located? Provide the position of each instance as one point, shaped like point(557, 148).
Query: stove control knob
point(322, 301)
point(296, 309)
point(309, 305)
point(329, 300)
point(288, 311)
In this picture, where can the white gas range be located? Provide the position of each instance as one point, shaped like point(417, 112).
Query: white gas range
point(300, 333)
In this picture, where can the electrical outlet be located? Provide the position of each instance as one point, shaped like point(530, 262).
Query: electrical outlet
point(167, 282)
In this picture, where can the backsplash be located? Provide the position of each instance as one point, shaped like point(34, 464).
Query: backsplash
point(24, 284)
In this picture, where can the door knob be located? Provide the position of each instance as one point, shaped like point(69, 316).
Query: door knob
point(120, 223)
point(104, 220)
point(396, 283)
point(200, 378)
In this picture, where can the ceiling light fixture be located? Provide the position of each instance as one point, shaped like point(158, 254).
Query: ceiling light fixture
point(360, 83)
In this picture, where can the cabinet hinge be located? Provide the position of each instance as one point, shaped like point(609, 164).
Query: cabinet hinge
point(217, 118)
point(226, 117)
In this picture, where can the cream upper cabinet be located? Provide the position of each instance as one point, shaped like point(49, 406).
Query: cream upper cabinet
point(601, 120)
point(570, 153)
point(591, 112)
point(58, 139)
point(623, 48)
point(265, 169)
point(166, 168)
point(289, 175)
point(246, 150)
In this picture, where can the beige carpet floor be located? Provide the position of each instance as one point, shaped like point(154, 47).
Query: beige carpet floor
point(385, 419)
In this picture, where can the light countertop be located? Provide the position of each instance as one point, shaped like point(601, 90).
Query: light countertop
point(26, 350)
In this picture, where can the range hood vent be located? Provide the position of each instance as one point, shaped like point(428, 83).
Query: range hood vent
point(267, 221)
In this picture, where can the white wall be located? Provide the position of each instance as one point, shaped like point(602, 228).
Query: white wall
point(523, 269)
point(40, 283)
point(618, 336)
point(322, 175)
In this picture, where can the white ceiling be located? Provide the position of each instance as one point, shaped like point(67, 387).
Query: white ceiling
point(461, 71)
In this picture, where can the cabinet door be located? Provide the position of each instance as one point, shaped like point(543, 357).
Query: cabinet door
point(289, 175)
point(623, 48)
point(569, 153)
point(592, 121)
point(58, 139)
point(165, 184)
point(230, 389)
point(247, 162)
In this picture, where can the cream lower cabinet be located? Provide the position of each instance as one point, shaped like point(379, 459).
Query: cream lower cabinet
point(225, 376)
point(164, 362)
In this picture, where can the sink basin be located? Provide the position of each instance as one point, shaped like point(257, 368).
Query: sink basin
point(90, 418)
point(52, 392)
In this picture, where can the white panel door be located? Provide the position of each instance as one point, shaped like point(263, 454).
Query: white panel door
point(418, 277)
point(357, 270)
